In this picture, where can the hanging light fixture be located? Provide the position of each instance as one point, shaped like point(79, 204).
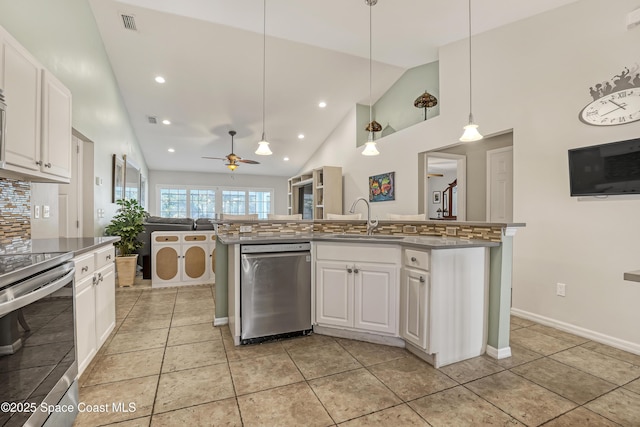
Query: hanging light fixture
point(263, 145)
point(471, 130)
point(373, 126)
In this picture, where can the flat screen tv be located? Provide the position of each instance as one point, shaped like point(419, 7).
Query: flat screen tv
point(606, 169)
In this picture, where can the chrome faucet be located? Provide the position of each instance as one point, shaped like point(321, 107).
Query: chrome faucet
point(371, 224)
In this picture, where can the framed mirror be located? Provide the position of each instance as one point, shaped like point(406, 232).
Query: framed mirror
point(117, 178)
point(131, 180)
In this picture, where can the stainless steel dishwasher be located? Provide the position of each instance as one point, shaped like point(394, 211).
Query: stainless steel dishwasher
point(275, 291)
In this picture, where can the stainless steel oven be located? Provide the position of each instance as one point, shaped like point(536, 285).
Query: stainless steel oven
point(38, 366)
point(3, 124)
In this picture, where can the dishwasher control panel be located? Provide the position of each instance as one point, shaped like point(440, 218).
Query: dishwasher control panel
point(275, 247)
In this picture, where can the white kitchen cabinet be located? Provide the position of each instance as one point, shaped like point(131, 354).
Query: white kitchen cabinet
point(414, 307)
point(37, 142)
point(95, 302)
point(181, 258)
point(354, 293)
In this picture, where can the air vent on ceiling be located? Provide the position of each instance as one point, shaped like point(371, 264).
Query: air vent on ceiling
point(153, 120)
point(129, 22)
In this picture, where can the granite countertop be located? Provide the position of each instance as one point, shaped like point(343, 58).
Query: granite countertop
point(429, 242)
point(77, 245)
point(633, 276)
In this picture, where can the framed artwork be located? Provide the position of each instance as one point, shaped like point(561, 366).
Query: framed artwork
point(382, 187)
point(436, 196)
point(117, 179)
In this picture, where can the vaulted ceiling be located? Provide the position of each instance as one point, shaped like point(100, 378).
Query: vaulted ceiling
point(211, 54)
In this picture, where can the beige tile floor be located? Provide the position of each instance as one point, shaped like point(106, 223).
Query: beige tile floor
point(168, 361)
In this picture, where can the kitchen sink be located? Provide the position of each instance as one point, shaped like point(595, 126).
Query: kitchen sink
point(368, 237)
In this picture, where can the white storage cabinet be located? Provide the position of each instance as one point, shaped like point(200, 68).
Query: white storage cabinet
point(182, 258)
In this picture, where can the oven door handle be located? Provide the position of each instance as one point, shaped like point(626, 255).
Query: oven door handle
point(39, 291)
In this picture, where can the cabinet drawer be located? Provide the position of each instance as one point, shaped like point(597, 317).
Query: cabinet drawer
point(105, 256)
point(85, 265)
point(194, 237)
point(416, 259)
point(166, 238)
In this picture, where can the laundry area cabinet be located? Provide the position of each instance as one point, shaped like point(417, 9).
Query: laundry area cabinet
point(182, 258)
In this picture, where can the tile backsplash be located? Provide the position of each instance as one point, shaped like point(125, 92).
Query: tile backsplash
point(15, 214)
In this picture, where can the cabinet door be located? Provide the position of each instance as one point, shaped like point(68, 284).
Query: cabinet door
point(334, 294)
point(195, 262)
point(22, 91)
point(212, 259)
point(414, 307)
point(105, 303)
point(167, 267)
point(56, 127)
point(375, 297)
point(86, 346)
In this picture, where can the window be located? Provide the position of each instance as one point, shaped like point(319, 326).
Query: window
point(203, 202)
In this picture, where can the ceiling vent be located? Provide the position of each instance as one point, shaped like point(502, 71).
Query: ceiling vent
point(129, 22)
point(152, 120)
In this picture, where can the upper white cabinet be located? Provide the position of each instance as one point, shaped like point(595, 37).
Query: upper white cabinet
point(37, 143)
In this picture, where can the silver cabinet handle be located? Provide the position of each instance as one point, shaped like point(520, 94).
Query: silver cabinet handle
point(48, 165)
point(413, 259)
point(349, 270)
point(39, 163)
point(108, 257)
point(84, 269)
point(94, 280)
point(355, 270)
point(100, 278)
point(421, 279)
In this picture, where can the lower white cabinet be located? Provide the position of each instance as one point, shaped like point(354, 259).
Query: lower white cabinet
point(354, 293)
point(182, 258)
point(95, 302)
point(414, 307)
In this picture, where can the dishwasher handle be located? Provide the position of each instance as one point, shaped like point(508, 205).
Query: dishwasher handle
point(276, 255)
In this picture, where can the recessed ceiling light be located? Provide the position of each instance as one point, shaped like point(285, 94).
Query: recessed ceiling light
point(322, 104)
point(300, 136)
point(171, 150)
point(160, 79)
point(166, 122)
point(286, 159)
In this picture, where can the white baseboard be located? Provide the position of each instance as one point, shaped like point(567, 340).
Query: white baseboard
point(581, 332)
point(219, 321)
point(499, 353)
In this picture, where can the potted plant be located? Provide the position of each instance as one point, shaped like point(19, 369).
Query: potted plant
point(127, 223)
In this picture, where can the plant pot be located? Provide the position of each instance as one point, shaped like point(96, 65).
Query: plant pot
point(126, 267)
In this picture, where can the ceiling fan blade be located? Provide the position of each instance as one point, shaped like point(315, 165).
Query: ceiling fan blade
point(214, 158)
point(251, 162)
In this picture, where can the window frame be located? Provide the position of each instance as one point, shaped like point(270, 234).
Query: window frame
point(218, 190)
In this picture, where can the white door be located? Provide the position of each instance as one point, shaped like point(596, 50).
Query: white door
point(375, 297)
point(500, 185)
point(414, 307)
point(440, 169)
point(334, 294)
point(70, 212)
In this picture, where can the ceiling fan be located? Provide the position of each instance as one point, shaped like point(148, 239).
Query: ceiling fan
point(231, 158)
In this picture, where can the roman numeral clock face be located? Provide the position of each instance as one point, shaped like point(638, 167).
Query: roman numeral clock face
point(616, 108)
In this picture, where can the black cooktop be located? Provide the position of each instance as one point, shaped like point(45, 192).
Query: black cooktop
point(16, 267)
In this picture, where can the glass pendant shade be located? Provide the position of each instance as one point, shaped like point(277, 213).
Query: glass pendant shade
point(370, 148)
point(232, 166)
point(471, 133)
point(263, 147)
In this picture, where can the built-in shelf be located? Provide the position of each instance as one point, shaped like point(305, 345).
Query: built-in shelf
point(326, 184)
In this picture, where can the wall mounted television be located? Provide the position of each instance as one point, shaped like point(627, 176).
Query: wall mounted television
point(606, 169)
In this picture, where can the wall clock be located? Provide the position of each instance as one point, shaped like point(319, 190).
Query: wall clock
point(615, 104)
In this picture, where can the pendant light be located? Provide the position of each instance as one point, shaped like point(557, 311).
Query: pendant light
point(263, 145)
point(373, 126)
point(471, 130)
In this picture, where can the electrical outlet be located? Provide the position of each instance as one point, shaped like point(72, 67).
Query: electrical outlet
point(45, 211)
point(245, 229)
point(36, 211)
point(452, 231)
point(560, 289)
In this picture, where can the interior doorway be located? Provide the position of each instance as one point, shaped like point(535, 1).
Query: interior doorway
point(500, 185)
point(445, 186)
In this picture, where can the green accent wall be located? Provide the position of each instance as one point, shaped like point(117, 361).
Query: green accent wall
point(222, 279)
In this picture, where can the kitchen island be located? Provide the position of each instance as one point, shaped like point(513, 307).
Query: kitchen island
point(430, 293)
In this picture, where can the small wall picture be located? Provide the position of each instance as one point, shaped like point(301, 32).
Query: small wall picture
point(382, 187)
point(436, 196)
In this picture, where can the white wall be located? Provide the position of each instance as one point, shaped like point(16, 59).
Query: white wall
point(63, 36)
point(534, 77)
point(231, 179)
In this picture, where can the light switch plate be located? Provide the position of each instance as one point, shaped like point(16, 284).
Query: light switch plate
point(245, 229)
point(45, 211)
point(451, 231)
point(36, 211)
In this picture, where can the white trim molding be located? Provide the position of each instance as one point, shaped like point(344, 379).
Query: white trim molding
point(220, 321)
point(498, 353)
point(581, 332)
